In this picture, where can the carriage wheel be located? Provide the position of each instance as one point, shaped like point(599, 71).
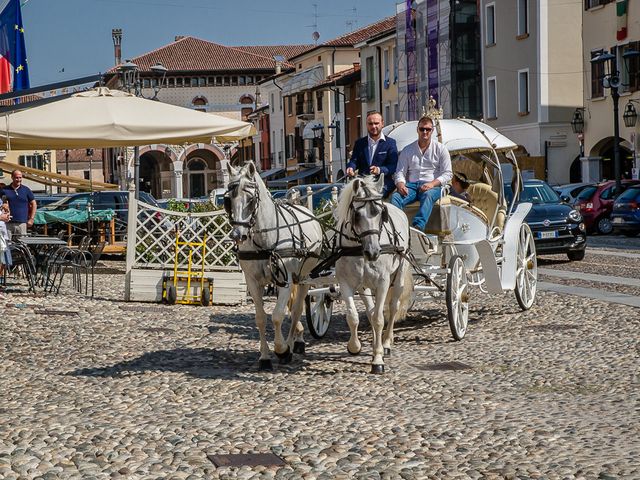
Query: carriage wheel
point(526, 269)
point(457, 297)
point(319, 310)
point(205, 298)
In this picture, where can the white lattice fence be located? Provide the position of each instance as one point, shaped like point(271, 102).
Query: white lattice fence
point(151, 243)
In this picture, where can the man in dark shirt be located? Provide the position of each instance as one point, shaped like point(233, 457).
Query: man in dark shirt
point(22, 204)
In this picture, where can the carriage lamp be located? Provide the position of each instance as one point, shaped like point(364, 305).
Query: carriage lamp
point(577, 122)
point(630, 116)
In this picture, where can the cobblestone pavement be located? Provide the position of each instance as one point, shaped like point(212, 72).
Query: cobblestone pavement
point(146, 391)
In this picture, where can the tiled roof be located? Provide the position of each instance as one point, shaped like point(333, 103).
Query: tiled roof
point(194, 54)
point(386, 25)
point(287, 51)
point(344, 76)
point(349, 39)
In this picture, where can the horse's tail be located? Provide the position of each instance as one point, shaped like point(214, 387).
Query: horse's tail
point(406, 295)
point(292, 296)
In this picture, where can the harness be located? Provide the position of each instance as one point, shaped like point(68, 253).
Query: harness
point(275, 254)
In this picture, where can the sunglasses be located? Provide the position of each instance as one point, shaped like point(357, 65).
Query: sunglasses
point(425, 129)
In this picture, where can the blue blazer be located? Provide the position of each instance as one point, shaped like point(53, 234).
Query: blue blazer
point(386, 157)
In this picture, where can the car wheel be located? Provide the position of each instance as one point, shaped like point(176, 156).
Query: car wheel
point(605, 226)
point(576, 256)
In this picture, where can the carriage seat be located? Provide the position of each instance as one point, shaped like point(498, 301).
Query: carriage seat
point(484, 198)
point(436, 225)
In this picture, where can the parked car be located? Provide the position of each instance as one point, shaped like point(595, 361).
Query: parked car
point(569, 192)
point(625, 216)
point(557, 227)
point(595, 203)
point(111, 199)
point(43, 199)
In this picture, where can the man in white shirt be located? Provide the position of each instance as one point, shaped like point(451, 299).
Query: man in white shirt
point(424, 166)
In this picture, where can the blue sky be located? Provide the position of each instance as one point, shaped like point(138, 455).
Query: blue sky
point(75, 35)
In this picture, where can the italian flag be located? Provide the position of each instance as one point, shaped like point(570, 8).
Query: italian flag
point(621, 13)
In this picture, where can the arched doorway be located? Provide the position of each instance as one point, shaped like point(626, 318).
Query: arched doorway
point(604, 149)
point(155, 171)
point(197, 179)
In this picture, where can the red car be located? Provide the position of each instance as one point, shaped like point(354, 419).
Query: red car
point(595, 204)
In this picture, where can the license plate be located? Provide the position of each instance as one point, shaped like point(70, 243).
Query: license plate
point(617, 220)
point(552, 234)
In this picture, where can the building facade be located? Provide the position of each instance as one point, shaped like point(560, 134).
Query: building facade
point(608, 30)
point(532, 78)
point(206, 77)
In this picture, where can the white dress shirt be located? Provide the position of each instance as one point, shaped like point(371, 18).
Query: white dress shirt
point(433, 164)
point(373, 145)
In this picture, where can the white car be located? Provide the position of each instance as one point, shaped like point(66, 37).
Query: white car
point(570, 191)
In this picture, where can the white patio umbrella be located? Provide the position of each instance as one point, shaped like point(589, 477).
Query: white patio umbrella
point(103, 118)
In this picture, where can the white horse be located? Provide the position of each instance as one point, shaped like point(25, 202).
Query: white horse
point(374, 236)
point(276, 244)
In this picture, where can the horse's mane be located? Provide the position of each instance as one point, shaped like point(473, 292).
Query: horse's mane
point(346, 196)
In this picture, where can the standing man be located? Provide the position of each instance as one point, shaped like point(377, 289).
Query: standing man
point(424, 166)
point(22, 204)
point(375, 153)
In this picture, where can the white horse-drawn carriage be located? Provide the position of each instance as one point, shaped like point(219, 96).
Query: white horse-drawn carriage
point(371, 251)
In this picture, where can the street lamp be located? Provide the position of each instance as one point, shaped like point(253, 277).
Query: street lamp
point(630, 116)
point(577, 122)
point(318, 133)
point(611, 80)
point(130, 77)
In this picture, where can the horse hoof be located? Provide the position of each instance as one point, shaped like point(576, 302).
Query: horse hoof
point(287, 358)
point(353, 353)
point(298, 347)
point(284, 354)
point(377, 369)
point(265, 365)
point(387, 352)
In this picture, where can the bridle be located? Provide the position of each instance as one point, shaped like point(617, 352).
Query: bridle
point(375, 200)
point(232, 191)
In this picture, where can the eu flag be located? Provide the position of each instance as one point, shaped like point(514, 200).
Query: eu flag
point(14, 71)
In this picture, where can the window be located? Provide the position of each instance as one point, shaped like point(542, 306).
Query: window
point(347, 126)
point(595, 3)
point(523, 91)
point(179, 81)
point(492, 109)
point(218, 81)
point(272, 103)
point(490, 24)
point(523, 18)
point(146, 83)
point(86, 177)
point(385, 63)
point(319, 96)
point(396, 112)
point(32, 161)
point(241, 80)
point(171, 82)
point(336, 101)
point(630, 71)
point(395, 65)
point(597, 74)
point(387, 113)
point(358, 126)
point(290, 105)
point(337, 134)
point(202, 82)
point(227, 81)
point(280, 100)
point(234, 80)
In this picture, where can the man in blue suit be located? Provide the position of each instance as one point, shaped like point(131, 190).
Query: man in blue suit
point(375, 153)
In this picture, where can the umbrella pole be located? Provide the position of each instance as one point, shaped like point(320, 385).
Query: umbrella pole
point(136, 170)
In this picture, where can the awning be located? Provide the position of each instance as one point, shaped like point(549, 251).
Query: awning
point(284, 182)
point(304, 80)
point(271, 173)
point(307, 132)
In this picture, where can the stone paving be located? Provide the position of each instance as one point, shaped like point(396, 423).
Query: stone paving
point(145, 391)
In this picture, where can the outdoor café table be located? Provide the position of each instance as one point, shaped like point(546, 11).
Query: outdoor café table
point(42, 247)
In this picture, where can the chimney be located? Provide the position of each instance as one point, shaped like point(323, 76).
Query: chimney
point(116, 35)
point(179, 37)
